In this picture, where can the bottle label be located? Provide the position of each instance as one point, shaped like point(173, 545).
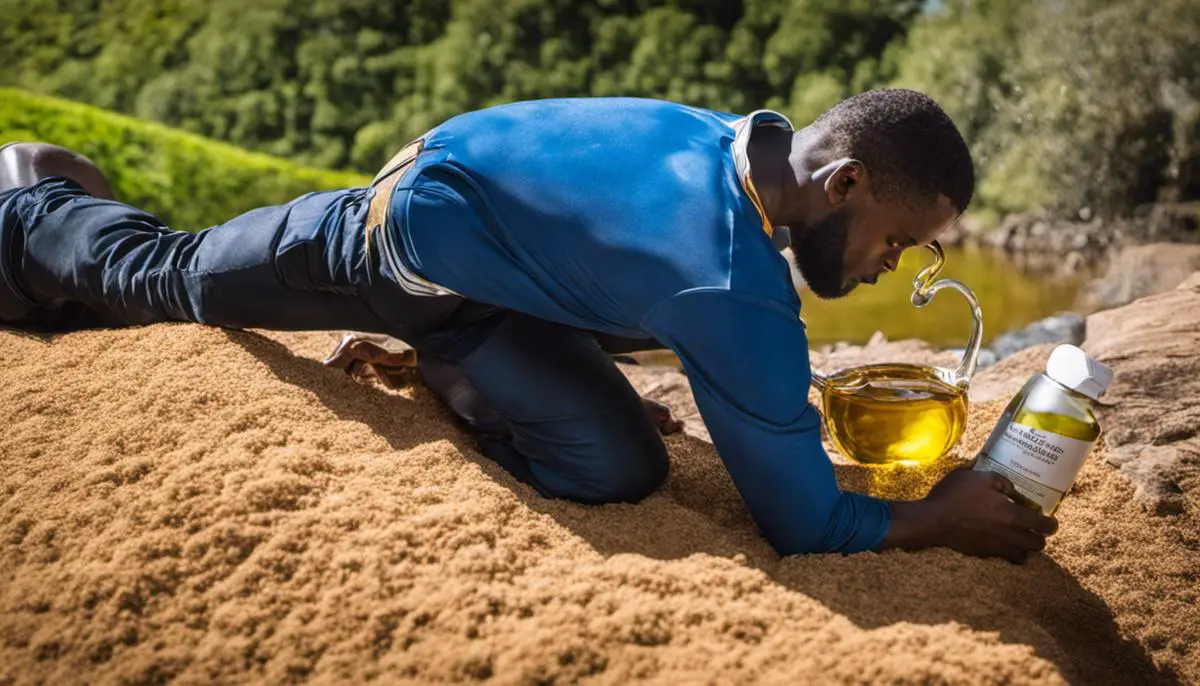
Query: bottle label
point(1041, 464)
point(1029, 492)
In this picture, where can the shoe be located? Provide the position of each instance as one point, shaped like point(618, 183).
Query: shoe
point(21, 165)
point(24, 164)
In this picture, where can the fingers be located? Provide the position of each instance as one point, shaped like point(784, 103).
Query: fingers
point(1017, 544)
point(988, 519)
point(1002, 484)
point(669, 425)
point(1022, 516)
point(1024, 539)
point(1014, 555)
point(660, 415)
point(1025, 518)
point(1026, 534)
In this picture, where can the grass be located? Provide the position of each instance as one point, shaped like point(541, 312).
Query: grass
point(188, 181)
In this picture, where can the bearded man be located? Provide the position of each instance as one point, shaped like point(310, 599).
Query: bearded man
point(516, 248)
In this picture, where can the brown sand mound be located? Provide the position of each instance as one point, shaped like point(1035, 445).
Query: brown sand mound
point(210, 506)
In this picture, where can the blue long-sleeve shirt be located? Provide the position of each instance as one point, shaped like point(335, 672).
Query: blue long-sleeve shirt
point(636, 218)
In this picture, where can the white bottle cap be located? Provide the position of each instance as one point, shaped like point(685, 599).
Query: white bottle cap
point(1071, 367)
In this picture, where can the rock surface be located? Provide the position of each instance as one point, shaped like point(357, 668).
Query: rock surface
point(1150, 410)
point(1066, 327)
point(1046, 243)
point(1052, 244)
point(1142, 270)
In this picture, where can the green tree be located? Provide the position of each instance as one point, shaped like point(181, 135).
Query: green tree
point(344, 82)
point(1082, 107)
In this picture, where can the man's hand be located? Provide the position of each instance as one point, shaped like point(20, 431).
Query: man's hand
point(661, 416)
point(974, 513)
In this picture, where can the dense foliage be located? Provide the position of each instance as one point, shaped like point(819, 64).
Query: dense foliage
point(186, 180)
point(342, 82)
point(1081, 106)
point(1078, 105)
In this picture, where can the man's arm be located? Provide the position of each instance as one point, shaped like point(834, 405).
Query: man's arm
point(747, 360)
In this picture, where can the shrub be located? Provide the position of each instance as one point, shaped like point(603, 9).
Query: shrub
point(188, 181)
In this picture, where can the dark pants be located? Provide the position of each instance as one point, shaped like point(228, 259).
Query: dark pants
point(573, 426)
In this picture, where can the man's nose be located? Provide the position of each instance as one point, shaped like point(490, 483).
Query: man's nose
point(891, 260)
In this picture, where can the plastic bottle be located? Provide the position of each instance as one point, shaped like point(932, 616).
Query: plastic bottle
point(1048, 429)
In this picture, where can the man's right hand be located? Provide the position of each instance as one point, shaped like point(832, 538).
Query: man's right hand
point(974, 513)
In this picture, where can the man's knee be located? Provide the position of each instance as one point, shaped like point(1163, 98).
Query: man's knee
point(637, 481)
point(618, 471)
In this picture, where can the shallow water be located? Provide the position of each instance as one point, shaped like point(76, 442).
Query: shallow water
point(1009, 296)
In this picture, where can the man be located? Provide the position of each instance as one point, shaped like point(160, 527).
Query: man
point(508, 245)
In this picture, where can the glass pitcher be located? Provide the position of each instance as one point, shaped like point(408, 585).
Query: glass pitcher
point(900, 413)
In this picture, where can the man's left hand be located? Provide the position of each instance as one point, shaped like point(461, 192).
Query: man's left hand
point(661, 416)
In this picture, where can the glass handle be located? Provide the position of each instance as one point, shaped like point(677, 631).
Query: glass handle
point(923, 292)
point(819, 381)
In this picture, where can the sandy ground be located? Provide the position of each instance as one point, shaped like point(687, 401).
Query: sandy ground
point(179, 502)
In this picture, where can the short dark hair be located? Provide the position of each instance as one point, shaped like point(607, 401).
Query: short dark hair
point(911, 148)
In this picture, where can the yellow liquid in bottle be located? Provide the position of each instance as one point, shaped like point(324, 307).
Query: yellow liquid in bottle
point(1071, 427)
point(894, 413)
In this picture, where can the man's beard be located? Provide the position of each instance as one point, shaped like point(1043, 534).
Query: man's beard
point(819, 251)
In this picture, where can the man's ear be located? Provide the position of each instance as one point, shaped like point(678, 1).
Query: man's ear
point(846, 176)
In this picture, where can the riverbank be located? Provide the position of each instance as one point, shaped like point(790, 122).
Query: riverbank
point(182, 502)
point(1051, 245)
point(1050, 274)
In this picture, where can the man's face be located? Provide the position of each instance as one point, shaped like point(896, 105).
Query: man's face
point(860, 238)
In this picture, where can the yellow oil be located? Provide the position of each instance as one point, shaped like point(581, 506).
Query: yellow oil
point(1071, 427)
point(894, 413)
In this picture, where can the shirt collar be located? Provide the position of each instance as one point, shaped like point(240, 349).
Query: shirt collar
point(743, 128)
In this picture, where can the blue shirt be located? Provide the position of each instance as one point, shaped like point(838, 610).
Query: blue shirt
point(630, 216)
